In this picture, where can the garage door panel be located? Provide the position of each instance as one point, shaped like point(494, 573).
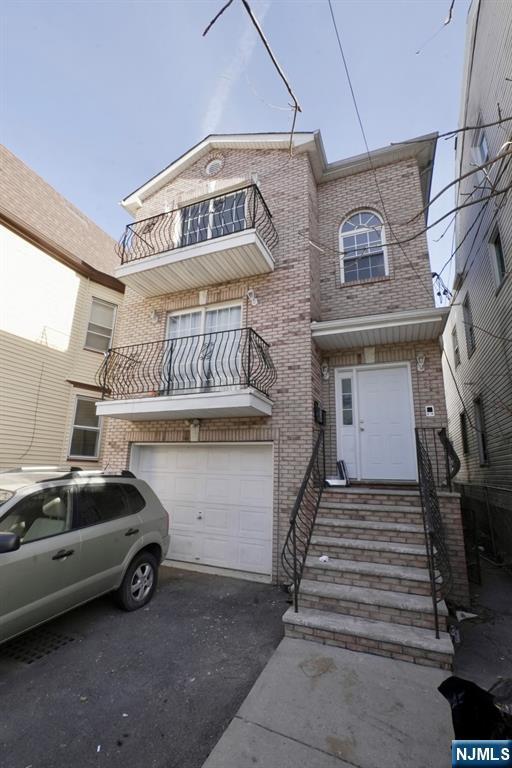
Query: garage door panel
point(184, 547)
point(191, 459)
point(188, 488)
point(255, 523)
point(182, 515)
point(257, 490)
point(255, 557)
point(222, 489)
point(220, 520)
point(219, 499)
point(253, 461)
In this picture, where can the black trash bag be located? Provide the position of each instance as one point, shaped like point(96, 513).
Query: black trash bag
point(474, 711)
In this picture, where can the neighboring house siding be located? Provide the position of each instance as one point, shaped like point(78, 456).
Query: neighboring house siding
point(487, 373)
point(40, 360)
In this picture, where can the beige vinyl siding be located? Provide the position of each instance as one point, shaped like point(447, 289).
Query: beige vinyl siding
point(36, 397)
point(85, 363)
point(488, 372)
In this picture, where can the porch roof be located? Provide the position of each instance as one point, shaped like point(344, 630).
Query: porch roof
point(372, 330)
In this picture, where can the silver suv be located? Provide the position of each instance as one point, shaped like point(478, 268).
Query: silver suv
point(67, 537)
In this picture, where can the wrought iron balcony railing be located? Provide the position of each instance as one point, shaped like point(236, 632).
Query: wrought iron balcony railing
point(219, 215)
point(207, 362)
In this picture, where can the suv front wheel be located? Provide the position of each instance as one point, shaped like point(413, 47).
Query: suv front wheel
point(139, 583)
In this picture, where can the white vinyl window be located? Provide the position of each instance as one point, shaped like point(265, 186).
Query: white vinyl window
point(213, 218)
point(199, 355)
point(468, 324)
point(480, 148)
point(455, 345)
point(85, 434)
point(363, 247)
point(499, 258)
point(101, 325)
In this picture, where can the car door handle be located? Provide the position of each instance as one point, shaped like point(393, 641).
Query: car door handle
point(131, 531)
point(63, 553)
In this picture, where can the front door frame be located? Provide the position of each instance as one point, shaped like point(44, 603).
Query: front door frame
point(352, 370)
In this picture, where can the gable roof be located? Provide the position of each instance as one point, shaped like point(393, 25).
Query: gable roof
point(36, 211)
point(422, 148)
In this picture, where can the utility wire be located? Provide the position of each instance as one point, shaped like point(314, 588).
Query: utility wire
point(363, 133)
point(450, 134)
point(295, 106)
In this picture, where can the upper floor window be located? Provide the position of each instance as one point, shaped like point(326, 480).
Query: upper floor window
point(468, 324)
point(464, 433)
point(101, 325)
point(481, 431)
point(363, 248)
point(215, 217)
point(499, 257)
point(480, 148)
point(455, 345)
point(85, 434)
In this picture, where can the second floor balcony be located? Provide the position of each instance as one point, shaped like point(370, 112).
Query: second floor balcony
point(215, 240)
point(208, 375)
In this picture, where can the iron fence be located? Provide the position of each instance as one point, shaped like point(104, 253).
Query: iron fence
point(205, 362)
point(303, 516)
point(214, 217)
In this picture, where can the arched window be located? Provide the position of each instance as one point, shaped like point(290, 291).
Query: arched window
point(363, 247)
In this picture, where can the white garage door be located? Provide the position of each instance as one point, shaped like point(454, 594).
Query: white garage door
point(219, 499)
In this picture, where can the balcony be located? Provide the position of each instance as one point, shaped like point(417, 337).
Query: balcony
point(216, 240)
point(210, 375)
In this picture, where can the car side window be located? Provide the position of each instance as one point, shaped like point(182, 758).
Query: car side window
point(100, 503)
point(135, 499)
point(40, 515)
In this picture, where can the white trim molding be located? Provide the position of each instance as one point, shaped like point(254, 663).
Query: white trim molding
point(373, 330)
point(207, 405)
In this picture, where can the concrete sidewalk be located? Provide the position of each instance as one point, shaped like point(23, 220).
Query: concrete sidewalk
point(325, 707)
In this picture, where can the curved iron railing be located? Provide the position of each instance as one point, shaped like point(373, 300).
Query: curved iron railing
point(207, 219)
point(302, 519)
point(435, 540)
point(206, 362)
point(443, 457)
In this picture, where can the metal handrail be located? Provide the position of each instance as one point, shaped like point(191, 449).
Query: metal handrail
point(212, 217)
point(302, 518)
point(443, 457)
point(206, 362)
point(438, 560)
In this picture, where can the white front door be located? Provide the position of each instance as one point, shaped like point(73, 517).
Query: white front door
point(375, 423)
point(219, 500)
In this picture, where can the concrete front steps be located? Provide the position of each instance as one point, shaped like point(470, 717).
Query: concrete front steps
point(373, 593)
point(419, 646)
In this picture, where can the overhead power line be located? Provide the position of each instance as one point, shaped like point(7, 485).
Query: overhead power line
point(363, 133)
point(295, 106)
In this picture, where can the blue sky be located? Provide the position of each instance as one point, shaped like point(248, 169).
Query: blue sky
point(97, 96)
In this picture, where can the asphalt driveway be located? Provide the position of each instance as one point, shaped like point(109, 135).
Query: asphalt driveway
point(151, 689)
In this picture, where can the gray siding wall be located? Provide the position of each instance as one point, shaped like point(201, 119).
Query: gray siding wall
point(487, 372)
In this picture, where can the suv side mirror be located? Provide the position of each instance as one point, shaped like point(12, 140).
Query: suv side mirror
point(9, 542)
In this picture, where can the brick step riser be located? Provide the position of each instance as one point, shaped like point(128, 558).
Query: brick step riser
point(365, 498)
point(396, 537)
point(365, 645)
point(369, 555)
point(407, 586)
point(378, 613)
point(407, 518)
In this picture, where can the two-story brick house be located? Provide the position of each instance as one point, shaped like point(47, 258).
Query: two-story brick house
point(258, 283)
